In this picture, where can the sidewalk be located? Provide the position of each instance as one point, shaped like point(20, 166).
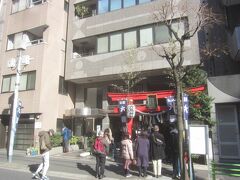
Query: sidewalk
point(72, 166)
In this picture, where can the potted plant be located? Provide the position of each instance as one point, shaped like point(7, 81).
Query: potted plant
point(81, 10)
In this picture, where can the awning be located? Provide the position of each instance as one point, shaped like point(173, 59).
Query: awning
point(86, 112)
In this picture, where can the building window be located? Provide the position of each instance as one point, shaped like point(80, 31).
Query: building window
point(162, 34)
point(63, 86)
point(103, 6)
point(143, 1)
point(115, 4)
point(15, 40)
point(27, 82)
point(128, 3)
point(19, 5)
point(130, 39)
point(66, 5)
point(102, 44)
point(179, 28)
point(115, 42)
point(146, 37)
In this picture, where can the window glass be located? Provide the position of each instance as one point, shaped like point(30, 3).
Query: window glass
point(31, 80)
point(130, 40)
point(22, 5)
point(6, 84)
point(14, 6)
point(179, 28)
point(23, 82)
point(13, 81)
point(115, 42)
point(102, 6)
point(10, 42)
point(115, 4)
point(128, 3)
point(161, 34)
point(62, 89)
point(18, 38)
point(146, 36)
point(102, 44)
point(144, 1)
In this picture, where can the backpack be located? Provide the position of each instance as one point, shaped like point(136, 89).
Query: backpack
point(69, 133)
point(98, 147)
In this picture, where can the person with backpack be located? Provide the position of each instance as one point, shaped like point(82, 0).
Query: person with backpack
point(45, 147)
point(67, 135)
point(99, 147)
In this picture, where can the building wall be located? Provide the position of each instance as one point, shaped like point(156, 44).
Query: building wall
point(102, 67)
point(48, 59)
point(223, 86)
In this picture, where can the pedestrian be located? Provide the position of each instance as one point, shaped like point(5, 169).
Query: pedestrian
point(110, 140)
point(100, 146)
point(67, 135)
point(127, 154)
point(45, 147)
point(157, 151)
point(142, 153)
point(174, 151)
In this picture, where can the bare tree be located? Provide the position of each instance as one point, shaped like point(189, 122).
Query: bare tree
point(174, 14)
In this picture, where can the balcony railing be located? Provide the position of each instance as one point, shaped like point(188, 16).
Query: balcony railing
point(16, 7)
point(230, 2)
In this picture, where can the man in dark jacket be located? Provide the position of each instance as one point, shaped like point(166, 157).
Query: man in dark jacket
point(45, 147)
point(157, 153)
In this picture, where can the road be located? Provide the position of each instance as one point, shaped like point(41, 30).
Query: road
point(72, 166)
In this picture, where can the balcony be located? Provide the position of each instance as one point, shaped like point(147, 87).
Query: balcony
point(230, 2)
point(35, 16)
point(234, 43)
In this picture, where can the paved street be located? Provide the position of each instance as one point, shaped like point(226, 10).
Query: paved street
point(72, 166)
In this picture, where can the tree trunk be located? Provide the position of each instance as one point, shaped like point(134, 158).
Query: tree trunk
point(180, 121)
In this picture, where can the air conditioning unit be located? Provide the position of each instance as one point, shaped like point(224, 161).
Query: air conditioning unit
point(234, 44)
point(230, 2)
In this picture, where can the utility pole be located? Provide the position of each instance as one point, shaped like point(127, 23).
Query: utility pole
point(16, 110)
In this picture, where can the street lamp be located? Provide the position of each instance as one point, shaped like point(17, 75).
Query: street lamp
point(21, 60)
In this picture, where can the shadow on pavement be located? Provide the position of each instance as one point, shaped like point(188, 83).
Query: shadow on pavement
point(33, 167)
point(117, 169)
point(86, 168)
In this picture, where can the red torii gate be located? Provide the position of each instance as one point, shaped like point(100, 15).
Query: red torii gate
point(143, 96)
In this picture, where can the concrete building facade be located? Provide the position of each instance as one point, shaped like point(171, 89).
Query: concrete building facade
point(224, 81)
point(43, 92)
point(98, 45)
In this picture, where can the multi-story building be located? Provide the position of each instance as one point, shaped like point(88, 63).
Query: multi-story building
point(224, 81)
point(44, 94)
point(2, 12)
point(99, 38)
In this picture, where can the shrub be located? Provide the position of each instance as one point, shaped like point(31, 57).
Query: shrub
point(56, 140)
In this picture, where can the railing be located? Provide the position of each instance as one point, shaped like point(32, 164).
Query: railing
point(28, 4)
point(79, 55)
point(35, 42)
point(37, 2)
point(225, 169)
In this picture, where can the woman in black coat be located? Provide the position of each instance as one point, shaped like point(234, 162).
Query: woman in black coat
point(157, 153)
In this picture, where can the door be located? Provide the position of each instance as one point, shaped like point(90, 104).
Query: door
point(228, 131)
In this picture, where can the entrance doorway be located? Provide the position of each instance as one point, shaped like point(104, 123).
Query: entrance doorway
point(228, 130)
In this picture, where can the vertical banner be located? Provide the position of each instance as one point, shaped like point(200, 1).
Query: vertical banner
point(171, 107)
point(122, 105)
point(185, 109)
point(170, 102)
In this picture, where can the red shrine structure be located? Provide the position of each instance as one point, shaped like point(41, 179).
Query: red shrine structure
point(138, 96)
